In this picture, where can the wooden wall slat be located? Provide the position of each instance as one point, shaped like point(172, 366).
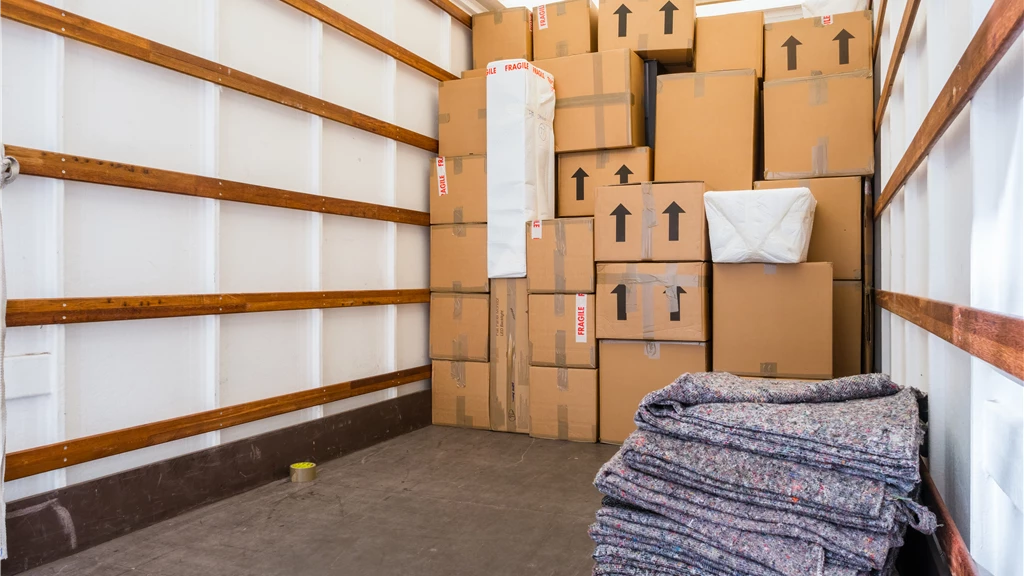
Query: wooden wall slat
point(877, 41)
point(457, 13)
point(899, 48)
point(952, 544)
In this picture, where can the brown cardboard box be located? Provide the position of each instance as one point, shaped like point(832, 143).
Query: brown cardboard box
point(458, 258)
point(634, 301)
point(458, 190)
point(773, 320)
point(837, 231)
point(677, 230)
point(598, 100)
point(630, 370)
point(730, 42)
point(461, 394)
point(474, 73)
point(847, 327)
point(458, 326)
point(655, 30)
point(818, 46)
point(502, 35)
point(563, 404)
point(580, 173)
point(560, 256)
point(564, 29)
point(562, 330)
point(819, 126)
point(707, 129)
point(462, 117)
point(510, 356)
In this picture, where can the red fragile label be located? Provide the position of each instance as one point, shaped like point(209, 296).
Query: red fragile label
point(826, 20)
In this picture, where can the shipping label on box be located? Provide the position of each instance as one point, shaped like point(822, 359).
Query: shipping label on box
point(564, 29)
point(662, 221)
point(664, 301)
point(655, 30)
point(458, 326)
point(458, 190)
point(580, 174)
point(460, 394)
point(818, 46)
point(730, 42)
point(510, 356)
point(560, 255)
point(458, 258)
point(847, 327)
point(462, 117)
point(563, 404)
point(562, 330)
point(502, 35)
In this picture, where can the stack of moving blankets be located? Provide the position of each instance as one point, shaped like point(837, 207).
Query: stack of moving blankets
point(769, 478)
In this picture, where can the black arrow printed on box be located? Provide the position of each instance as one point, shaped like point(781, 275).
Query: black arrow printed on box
point(621, 11)
point(620, 214)
point(844, 38)
point(669, 9)
point(790, 45)
point(579, 175)
point(620, 291)
point(674, 316)
point(623, 174)
point(673, 212)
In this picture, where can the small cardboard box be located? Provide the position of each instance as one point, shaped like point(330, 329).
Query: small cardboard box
point(837, 232)
point(461, 394)
point(458, 258)
point(773, 320)
point(598, 100)
point(458, 326)
point(580, 173)
point(653, 301)
point(818, 46)
point(630, 370)
point(502, 35)
point(560, 255)
point(655, 30)
point(510, 356)
point(458, 190)
point(564, 29)
point(462, 117)
point(730, 42)
point(707, 129)
point(821, 126)
point(562, 330)
point(563, 404)
point(847, 327)
point(661, 222)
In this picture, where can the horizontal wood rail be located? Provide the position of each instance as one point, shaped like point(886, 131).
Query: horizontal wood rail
point(949, 539)
point(64, 23)
point(995, 338)
point(1002, 25)
point(55, 456)
point(82, 169)
point(454, 11)
point(899, 48)
point(346, 25)
point(878, 29)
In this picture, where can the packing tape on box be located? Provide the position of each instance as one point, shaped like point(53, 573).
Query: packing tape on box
point(559, 256)
point(559, 305)
point(499, 17)
point(596, 100)
point(444, 118)
point(819, 157)
point(457, 371)
point(598, 109)
point(481, 113)
point(456, 307)
point(602, 159)
point(648, 220)
point(652, 350)
point(560, 9)
point(560, 348)
point(698, 85)
point(457, 215)
point(461, 418)
point(459, 230)
point(562, 379)
point(456, 164)
point(563, 422)
point(561, 48)
point(641, 42)
point(817, 91)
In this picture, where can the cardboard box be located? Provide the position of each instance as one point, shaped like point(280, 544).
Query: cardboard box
point(458, 190)
point(847, 327)
point(560, 256)
point(773, 320)
point(707, 129)
point(655, 30)
point(458, 258)
point(818, 46)
point(836, 234)
point(661, 221)
point(564, 29)
point(634, 301)
point(462, 117)
point(598, 100)
point(458, 326)
point(730, 42)
point(820, 126)
point(562, 330)
point(510, 356)
point(580, 173)
point(502, 35)
point(461, 394)
point(631, 370)
point(563, 404)
point(474, 73)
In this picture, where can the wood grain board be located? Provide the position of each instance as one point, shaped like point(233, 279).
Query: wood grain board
point(952, 544)
point(877, 40)
point(899, 48)
point(454, 11)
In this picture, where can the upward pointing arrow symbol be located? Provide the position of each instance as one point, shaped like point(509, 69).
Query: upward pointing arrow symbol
point(674, 316)
point(790, 45)
point(620, 214)
point(844, 45)
point(673, 212)
point(579, 175)
point(623, 174)
point(669, 9)
point(621, 11)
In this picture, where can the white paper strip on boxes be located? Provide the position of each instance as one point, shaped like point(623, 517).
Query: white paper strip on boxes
point(520, 161)
point(770, 226)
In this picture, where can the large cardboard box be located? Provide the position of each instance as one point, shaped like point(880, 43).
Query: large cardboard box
point(598, 100)
point(730, 42)
point(563, 404)
point(560, 255)
point(773, 320)
point(837, 232)
point(458, 258)
point(821, 126)
point(564, 29)
point(580, 173)
point(655, 30)
point(458, 326)
point(818, 46)
point(847, 327)
point(630, 370)
point(562, 330)
point(510, 356)
point(462, 117)
point(502, 35)
point(653, 301)
point(707, 129)
point(460, 394)
point(458, 190)
point(661, 221)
